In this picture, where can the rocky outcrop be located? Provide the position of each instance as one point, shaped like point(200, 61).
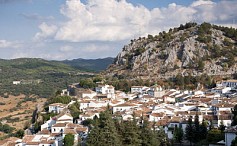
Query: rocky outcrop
point(194, 50)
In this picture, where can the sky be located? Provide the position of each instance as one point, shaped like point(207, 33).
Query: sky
point(71, 29)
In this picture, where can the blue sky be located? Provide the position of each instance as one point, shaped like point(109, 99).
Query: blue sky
point(69, 29)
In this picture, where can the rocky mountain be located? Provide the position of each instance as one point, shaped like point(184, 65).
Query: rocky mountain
point(190, 49)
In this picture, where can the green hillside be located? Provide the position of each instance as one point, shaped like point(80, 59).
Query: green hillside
point(37, 76)
point(95, 65)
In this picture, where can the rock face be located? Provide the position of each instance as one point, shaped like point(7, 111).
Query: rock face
point(190, 49)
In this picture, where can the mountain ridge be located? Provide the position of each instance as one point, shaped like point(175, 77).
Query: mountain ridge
point(38, 76)
point(96, 65)
point(190, 49)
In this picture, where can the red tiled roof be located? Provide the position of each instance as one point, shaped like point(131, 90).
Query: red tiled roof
point(60, 125)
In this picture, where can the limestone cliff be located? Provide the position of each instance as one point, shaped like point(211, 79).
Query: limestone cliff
point(189, 49)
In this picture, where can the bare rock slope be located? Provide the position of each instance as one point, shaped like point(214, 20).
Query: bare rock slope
point(189, 49)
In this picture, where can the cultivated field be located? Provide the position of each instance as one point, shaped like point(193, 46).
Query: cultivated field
point(16, 111)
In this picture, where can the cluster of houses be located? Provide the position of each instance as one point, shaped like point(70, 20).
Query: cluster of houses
point(52, 133)
point(165, 109)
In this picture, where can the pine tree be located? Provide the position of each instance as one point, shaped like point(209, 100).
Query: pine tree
point(178, 134)
point(234, 112)
point(130, 133)
point(161, 137)
point(148, 136)
point(196, 133)
point(203, 130)
point(105, 133)
point(93, 137)
point(108, 132)
point(189, 130)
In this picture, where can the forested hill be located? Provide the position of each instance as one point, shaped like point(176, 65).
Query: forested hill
point(37, 76)
point(191, 49)
point(94, 65)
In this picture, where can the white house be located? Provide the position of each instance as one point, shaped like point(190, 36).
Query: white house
point(58, 127)
point(87, 104)
point(136, 89)
point(66, 118)
point(57, 107)
point(169, 99)
point(48, 124)
point(156, 91)
point(221, 90)
point(106, 90)
point(139, 89)
point(16, 82)
point(88, 115)
point(155, 117)
point(65, 92)
point(230, 135)
point(98, 103)
point(88, 93)
point(222, 107)
point(39, 140)
point(199, 93)
point(123, 107)
point(225, 120)
point(230, 83)
point(84, 104)
point(173, 123)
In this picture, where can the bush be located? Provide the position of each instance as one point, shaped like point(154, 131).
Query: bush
point(6, 128)
point(215, 136)
point(1, 103)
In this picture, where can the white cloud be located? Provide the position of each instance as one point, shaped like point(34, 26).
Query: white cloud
point(112, 20)
point(201, 2)
point(46, 31)
point(101, 20)
point(66, 48)
point(35, 16)
point(8, 44)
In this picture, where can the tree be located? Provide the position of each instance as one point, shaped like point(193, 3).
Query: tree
point(234, 112)
point(201, 65)
point(93, 138)
point(180, 80)
point(115, 132)
point(130, 133)
point(234, 142)
point(215, 135)
point(178, 134)
point(197, 133)
point(19, 133)
point(222, 126)
point(189, 131)
point(162, 138)
point(105, 133)
point(203, 130)
point(235, 75)
point(148, 136)
point(75, 110)
point(68, 140)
